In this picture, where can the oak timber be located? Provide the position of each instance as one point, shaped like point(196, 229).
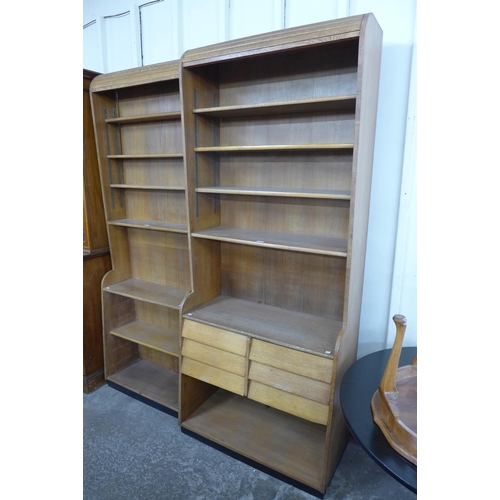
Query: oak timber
point(138, 123)
point(279, 134)
point(263, 434)
point(304, 332)
point(149, 380)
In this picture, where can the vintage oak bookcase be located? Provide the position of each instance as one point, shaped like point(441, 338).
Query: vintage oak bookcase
point(137, 120)
point(236, 186)
point(279, 136)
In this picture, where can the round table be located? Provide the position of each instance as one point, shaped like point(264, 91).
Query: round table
point(357, 388)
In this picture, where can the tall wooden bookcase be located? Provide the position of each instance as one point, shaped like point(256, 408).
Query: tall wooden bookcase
point(236, 186)
point(279, 135)
point(137, 120)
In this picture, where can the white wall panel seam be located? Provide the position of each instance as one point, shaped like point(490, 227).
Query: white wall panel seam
point(343, 8)
point(101, 44)
point(180, 29)
point(406, 211)
point(279, 14)
point(224, 6)
point(135, 35)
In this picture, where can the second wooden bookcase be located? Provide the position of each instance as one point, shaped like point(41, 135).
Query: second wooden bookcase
point(279, 136)
point(137, 119)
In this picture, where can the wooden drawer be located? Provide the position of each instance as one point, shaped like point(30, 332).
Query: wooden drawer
point(290, 360)
point(215, 356)
point(292, 381)
point(214, 376)
point(216, 337)
point(289, 403)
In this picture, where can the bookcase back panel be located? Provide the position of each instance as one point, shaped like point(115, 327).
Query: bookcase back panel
point(119, 250)
point(151, 138)
point(148, 99)
point(312, 284)
point(159, 257)
point(159, 206)
point(154, 172)
point(160, 359)
point(300, 128)
point(117, 311)
point(299, 74)
point(157, 315)
point(314, 170)
point(327, 218)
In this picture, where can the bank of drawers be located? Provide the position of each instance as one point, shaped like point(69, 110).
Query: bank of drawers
point(292, 381)
point(215, 356)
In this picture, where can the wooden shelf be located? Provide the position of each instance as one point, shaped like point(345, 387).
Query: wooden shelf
point(286, 192)
point(148, 188)
point(151, 381)
point(297, 243)
point(149, 335)
point(152, 225)
point(149, 292)
point(155, 117)
point(301, 331)
point(149, 156)
point(283, 442)
point(274, 147)
point(325, 104)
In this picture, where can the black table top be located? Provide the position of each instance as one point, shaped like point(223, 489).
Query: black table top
point(356, 391)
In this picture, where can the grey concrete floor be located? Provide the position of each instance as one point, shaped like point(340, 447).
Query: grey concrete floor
point(132, 451)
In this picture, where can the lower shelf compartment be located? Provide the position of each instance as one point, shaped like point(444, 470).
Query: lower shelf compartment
point(151, 382)
point(286, 444)
point(149, 335)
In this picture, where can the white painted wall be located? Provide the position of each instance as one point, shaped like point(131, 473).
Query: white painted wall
point(156, 31)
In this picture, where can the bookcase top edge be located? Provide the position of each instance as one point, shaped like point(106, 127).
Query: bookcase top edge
point(142, 75)
point(274, 41)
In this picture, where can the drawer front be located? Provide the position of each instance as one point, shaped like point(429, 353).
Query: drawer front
point(214, 376)
point(215, 337)
point(215, 356)
point(289, 403)
point(290, 360)
point(290, 382)
point(218, 358)
point(293, 381)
